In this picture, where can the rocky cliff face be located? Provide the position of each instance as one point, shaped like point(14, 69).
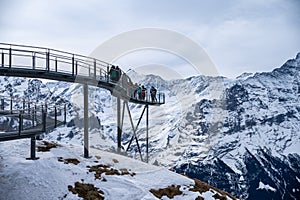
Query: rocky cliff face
point(254, 149)
point(240, 135)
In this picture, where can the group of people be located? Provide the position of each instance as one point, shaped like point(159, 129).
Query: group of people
point(115, 73)
point(140, 93)
point(136, 91)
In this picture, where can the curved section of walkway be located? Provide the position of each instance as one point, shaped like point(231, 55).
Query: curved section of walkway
point(38, 62)
point(30, 119)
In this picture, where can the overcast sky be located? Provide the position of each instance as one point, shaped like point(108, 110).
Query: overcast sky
point(238, 36)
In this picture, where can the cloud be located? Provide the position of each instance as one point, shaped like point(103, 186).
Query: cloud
point(238, 35)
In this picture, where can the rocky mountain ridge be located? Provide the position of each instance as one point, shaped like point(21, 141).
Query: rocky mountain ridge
point(238, 135)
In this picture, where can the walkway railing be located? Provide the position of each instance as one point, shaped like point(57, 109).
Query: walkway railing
point(60, 64)
point(14, 55)
point(29, 118)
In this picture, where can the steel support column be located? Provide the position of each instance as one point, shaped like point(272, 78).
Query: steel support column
point(147, 127)
point(119, 124)
point(86, 120)
point(32, 149)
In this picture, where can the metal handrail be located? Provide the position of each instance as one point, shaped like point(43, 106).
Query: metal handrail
point(37, 115)
point(76, 64)
point(69, 58)
point(55, 50)
point(27, 100)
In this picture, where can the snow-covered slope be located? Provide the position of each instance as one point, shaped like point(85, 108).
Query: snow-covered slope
point(62, 173)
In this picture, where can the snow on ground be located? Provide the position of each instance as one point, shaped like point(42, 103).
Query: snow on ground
point(266, 187)
point(47, 178)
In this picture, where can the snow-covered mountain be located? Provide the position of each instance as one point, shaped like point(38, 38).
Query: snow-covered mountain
point(238, 135)
point(245, 131)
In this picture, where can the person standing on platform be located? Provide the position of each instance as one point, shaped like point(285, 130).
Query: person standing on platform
point(143, 92)
point(113, 73)
point(153, 94)
point(119, 73)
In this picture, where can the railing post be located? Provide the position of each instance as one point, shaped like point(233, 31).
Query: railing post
point(33, 60)
point(11, 105)
point(2, 59)
point(89, 70)
point(34, 114)
point(2, 104)
point(73, 64)
point(10, 58)
point(55, 117)
point(23, 108)
point(55, 64)
point(76, 67)
point(28, 106)
point(107, 73)
point(65, 114)
point(32, 117)
point(95, 65)
point(44, 116)
point(20, 123)
point(48, 60)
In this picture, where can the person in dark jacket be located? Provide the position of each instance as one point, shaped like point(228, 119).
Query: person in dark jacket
point(119, 73)
point(143, 92)
point(153, 94)
point(113, 73)
point(139, 91)
point(135, 89)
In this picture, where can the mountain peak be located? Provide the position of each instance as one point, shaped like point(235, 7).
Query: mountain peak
point(244, 75)
point(298, 56)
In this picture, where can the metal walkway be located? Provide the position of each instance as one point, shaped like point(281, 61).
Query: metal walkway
point(32, 119)
point(29, 120)
point(38, 62)
point(45, 63)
